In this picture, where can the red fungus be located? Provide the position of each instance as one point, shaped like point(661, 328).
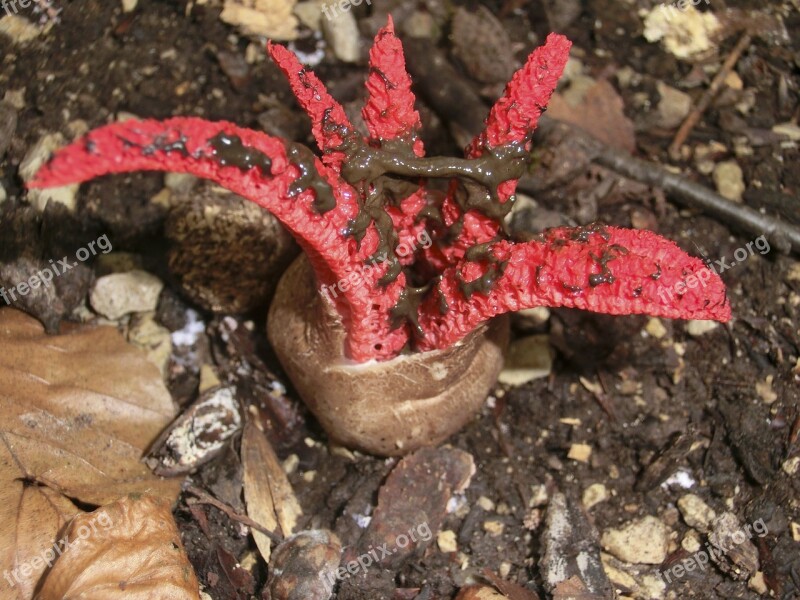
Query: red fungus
point(351, 210)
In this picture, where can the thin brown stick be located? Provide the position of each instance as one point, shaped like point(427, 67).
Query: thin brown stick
point(204, 498)
point(705, 101)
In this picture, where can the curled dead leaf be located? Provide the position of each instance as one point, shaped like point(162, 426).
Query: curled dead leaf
point(76, 413)
point(130, 549)
point(269, 496)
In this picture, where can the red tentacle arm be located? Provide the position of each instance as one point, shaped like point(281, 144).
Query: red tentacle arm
point(607, 270)
point(515, 115)
point(512, 119)
point(389, 110)
point(327, 115)
point(259, 168)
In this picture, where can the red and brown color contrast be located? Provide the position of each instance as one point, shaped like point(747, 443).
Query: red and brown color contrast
point(364, 197)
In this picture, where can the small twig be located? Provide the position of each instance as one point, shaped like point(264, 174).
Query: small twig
point(204, 498)
point(449, 94)
point(784, 236)
point(705, 101)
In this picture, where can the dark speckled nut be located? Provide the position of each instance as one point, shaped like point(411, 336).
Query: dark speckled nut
point(304, 566)
point(227, 253)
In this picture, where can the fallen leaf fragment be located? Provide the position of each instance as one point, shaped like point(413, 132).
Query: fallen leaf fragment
point(479, 592)
point(571, 552)
point(76, 413)
point(413, 502)
point(270, 499)
point(32, 547)
point(600, 111)
point(129, 550)
point(509, 589)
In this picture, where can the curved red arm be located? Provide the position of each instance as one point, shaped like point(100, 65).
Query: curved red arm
point(607, 270)
point(327, 115)
point(512, 119)
point(389, 110)
point(257, 167)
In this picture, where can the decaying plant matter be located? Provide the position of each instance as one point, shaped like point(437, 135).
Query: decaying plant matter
point(358, 209)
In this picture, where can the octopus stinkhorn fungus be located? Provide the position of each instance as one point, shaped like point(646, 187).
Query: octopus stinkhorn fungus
point(391, 325)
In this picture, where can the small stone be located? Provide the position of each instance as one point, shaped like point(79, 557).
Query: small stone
point(644, 541)
point(691, 542)
point(696, 512)
point(790, 130)
point(791, 466)
point(729, 179)
point(163, 199)
point(494, 527)
point(309, 13)
point(37, 156)
point(15, 98)
point(447, 541)
point(655, 328)
point(795, 531)
point(119, 294)
point(757, 584)
point(794, 272)
point(532, 317)
point(3, 195)
point(18, 29)
point(262, 18)
point(580, 452)
point(505, 569)
point(485, 504)
point(180, 182)
point(528, 358)
point(697, 328)
point(673, 106)
point(482, 44)
point(129, 6)
point(765, 391)
point(594, 495)
point(290, 464)
point(684, 33)
point(617, 576)
point(154, 339)
point(539, 496)
point(420, 24)
point(214, 236)
point(304, 566)
point(733, 81)
point(341, 32)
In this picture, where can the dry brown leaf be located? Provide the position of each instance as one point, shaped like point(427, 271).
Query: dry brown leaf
point(270, 499)
point(574, 589)
point(129, 550)
point(599, 112)
point(76, 414)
